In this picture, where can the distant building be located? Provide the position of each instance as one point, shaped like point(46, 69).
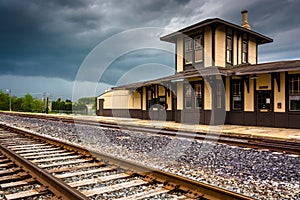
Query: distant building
point(217, 80)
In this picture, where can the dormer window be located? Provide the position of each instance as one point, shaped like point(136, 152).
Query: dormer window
point(194, 50)
point(229, 49)
point(245, 51)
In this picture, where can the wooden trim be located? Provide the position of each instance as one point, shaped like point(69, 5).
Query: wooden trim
point(256, 51)
point(276, 77)
point(213, 45)
point(193, 64)
point(242, 94)
point(287, 99)
point(247, 40)
point(232, 50)
point(237, 47)
point(176, 54)
point(255, 96)
point(193, 95)
point(287, 93)
point(272, 107)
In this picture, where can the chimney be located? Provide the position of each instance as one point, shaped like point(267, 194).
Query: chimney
point(245, 23)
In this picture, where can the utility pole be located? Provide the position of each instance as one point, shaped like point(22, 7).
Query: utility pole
point(47, 105)
point(9, 93)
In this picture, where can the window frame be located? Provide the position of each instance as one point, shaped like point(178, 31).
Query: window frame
point(228, 49)
point(194, 49)
point(245, 51)
point(196, 102)
point(233, 94)
point(193, 97)
point(293, 94)
point(149, 97)
point(186, 88)
point(198, 48)
point(186, 61)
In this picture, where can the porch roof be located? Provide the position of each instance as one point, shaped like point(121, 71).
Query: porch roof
point(238, 70)
point(271, 67)
point(180, 76)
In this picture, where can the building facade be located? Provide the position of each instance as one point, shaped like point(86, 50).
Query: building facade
point(217, 80)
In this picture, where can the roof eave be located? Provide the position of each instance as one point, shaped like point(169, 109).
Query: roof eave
point(172, 36)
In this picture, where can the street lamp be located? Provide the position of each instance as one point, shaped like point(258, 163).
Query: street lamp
point(9, 92)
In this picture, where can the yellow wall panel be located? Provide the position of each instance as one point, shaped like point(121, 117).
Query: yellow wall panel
point(279, 97)
point(252, 51)
point(179, 55)
point(220, 43)
point(207, 47)
point(179, 96)
point(239, 56)
point(263, 82)
point(169, 100)
point(207, 97)
point(144, 98)
point(249, 97)
point(227, 90)
point(235, 50)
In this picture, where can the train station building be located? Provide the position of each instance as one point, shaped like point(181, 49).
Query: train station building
point(218, 80)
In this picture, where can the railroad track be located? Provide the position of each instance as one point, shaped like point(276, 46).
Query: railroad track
point(40, 167)
point(243, 141)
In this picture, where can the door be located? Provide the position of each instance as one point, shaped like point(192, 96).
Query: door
point(265, 114)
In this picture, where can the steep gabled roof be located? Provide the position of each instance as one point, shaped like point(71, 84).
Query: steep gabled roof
point(214, 21)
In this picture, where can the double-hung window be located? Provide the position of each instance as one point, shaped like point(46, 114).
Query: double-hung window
point(236, 94)
point(193, 95)
point(198, 46)
point(198, 95)
point(188, 51)
point(294, 93)
point(149, 97)
point(188, 96)
point(229, 46)
point(194, 50)
point(245, 52)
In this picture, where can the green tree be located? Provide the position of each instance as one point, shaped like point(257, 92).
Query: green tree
point(16, 104)
point(37, 106)
point(4, 101)
point(27, 104)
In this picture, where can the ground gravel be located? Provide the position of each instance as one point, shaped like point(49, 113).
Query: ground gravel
point(261, 174)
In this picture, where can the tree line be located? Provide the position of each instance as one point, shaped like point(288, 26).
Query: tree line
point(30, 104)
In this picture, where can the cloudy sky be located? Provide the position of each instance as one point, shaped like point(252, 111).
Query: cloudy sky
point(48, 45)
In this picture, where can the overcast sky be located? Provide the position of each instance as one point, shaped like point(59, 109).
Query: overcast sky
point(46, 45)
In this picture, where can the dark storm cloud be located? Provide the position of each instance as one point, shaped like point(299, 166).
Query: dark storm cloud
point(134, 60)
point(41, 37)
point(276, 19)
point(52, 38)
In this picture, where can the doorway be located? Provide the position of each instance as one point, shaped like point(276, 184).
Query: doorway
point(264, 107)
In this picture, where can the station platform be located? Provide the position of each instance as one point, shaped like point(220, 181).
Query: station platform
point(283, 134)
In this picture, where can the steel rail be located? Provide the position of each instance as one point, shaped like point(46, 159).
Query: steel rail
point(194, 189)
point(237, 140)
point(58, 187)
